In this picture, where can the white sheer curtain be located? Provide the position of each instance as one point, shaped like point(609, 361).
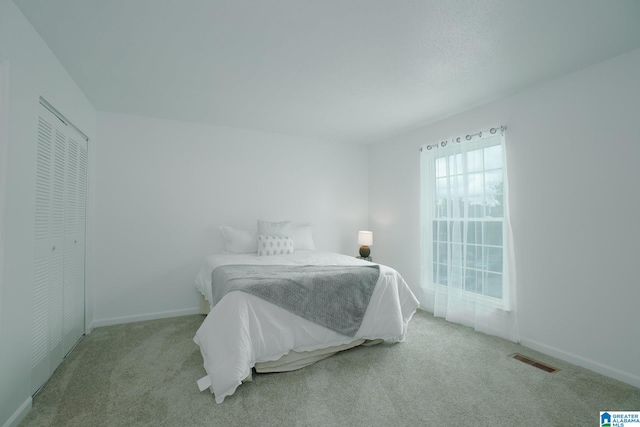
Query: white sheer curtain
point(467, 260)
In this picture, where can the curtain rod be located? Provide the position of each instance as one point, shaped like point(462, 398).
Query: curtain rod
point(468, 138)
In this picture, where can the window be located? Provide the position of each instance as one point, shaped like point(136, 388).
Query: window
point(468, 219)
point(467, 260)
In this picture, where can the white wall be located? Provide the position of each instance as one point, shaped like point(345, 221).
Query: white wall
point(573, 148)
point(164, 187)
point(34, 72)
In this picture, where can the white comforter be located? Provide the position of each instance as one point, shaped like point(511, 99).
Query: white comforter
point(243, 329)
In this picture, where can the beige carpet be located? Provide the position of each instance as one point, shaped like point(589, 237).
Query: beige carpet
point(144, 374)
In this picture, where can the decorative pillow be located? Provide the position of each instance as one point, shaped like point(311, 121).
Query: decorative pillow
point(238, 241)
point(303, 236)
point(275, 245)
point(268, 228)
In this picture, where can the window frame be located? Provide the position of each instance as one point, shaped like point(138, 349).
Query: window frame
point(443, 150)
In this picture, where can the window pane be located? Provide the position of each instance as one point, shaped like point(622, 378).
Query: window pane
point(474, 232)
point(475, 190)
point(493, 157)
point(472, 282)
point(476, 211)
point(455, 231)
point(456, 277)
point(455, 164)
point(469, 229)
point(474, 161)
point(441, 208)
point(493, 285)
point(442, 275)
point(442, 188)
point(493, 180)
point(440, 233)
point(473, 256)
point(493, 233)
point(442, 254)
point(494, 259)
point(456, 255)
point(441, 167)
point(493, 186)
point(457, 187)
point(497, 211)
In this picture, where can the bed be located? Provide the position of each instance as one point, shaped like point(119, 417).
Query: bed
point(244, 331)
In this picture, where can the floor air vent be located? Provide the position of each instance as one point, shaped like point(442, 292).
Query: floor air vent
point(533, 362)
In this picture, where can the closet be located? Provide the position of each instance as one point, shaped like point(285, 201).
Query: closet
point(59, 232)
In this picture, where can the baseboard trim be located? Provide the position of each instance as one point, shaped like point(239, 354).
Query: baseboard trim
point(141, 317)
point(600, 368)
point(19, 414)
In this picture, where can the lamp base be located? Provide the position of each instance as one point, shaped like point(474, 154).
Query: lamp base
point(365, 251)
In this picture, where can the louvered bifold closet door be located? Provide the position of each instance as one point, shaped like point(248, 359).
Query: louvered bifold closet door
point(74, 234)
point(47, 350)
point(59, 262)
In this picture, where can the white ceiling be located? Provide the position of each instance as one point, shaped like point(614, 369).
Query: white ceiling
point(341, 70)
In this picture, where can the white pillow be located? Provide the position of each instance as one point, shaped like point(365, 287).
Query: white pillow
point(268, 228)
point(238, 241)
point(303, 236)
point(274, 245)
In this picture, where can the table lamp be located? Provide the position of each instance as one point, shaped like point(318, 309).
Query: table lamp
point(365, 238)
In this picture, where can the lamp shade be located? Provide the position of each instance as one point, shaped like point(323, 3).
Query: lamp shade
point(365, 238)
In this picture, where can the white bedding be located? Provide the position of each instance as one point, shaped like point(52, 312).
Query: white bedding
point(243, 329)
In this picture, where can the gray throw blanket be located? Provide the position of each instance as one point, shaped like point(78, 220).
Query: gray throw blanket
point(334, 296)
